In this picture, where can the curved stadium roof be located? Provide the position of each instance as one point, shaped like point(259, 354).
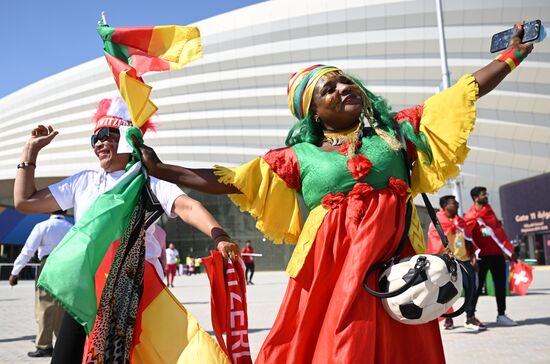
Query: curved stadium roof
point(230, 106)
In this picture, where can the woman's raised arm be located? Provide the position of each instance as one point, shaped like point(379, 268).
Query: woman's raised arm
point(491, 75)
point(203, 180)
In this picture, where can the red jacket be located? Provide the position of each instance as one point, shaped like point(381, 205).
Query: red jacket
point(248, 259)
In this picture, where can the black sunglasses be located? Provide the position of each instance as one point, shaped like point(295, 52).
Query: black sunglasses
point(103, 134)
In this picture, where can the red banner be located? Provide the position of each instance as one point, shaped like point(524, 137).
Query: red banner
point(228, 306)
point(521, 276)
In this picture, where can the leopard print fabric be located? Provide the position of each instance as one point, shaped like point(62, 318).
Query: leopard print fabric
point(111, 337)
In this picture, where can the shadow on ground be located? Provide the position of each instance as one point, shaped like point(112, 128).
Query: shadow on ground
point(21, 338)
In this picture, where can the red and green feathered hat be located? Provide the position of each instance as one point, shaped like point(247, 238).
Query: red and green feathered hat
point(113, 113)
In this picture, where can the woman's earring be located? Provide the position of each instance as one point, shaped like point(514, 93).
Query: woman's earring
point(316, 118)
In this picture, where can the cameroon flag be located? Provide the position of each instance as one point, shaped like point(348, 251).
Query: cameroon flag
point(99, 275)
point(70, 277)
point(134, 51)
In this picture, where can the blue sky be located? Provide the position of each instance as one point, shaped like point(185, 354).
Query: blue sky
point(43, 37)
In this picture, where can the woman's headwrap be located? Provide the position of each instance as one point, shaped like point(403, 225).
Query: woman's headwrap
point(113, 113)
point(302, 85)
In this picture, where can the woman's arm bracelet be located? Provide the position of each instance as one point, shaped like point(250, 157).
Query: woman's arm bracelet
point(511, 57)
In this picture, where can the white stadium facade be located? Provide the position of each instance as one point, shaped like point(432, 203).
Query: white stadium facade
point(230, 106)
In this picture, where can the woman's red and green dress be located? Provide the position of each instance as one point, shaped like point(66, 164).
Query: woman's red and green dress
point(356, 218)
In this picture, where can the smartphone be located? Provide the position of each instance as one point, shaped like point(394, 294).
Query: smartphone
point(531, 33)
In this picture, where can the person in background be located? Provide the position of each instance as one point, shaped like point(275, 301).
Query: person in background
point(463, 249)
point(248, 261)
point(198, 262)
point(190, 264)
point(489, 235)
point(44, 237)
point(172, 256)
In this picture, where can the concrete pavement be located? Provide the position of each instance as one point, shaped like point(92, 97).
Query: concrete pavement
point(527, 343)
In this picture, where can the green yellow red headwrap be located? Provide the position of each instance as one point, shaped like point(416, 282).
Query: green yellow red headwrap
point(301, 86)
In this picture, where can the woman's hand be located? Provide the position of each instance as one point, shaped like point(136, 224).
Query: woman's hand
point(490, 76)
point(40, 137)
point(149, 158)
point(515, 42)
point(229, 250)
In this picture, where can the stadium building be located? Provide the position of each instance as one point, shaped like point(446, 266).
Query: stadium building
point(230, 106)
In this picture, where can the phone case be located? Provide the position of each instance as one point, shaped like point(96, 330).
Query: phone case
point(500, 40)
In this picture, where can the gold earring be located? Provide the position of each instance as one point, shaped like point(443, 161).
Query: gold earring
point(316, 118)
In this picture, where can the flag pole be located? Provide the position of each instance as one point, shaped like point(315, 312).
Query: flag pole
point(446, 80)
point(103, 20)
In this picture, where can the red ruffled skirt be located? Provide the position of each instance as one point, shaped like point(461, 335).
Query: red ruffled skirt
point(326, 315)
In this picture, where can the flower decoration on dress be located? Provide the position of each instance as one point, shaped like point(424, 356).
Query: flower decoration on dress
point(333, 200)
point(284, 163)
point(413, 115)
point(360, 190)
point(359, 166)
point(345, 150)
point(398, 185)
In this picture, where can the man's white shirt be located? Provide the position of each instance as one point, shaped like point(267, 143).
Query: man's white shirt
point(80, 190)
point(44, 237)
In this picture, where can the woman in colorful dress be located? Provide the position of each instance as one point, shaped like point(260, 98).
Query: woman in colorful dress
point(344, 159)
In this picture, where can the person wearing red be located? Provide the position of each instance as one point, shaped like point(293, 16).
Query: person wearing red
point(343, 160)
point(248, 261)
point(463, 249)
point(488, 234)
point(172, 256)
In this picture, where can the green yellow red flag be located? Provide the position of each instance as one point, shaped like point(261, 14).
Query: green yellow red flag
point(162, 331)
point(134, 51)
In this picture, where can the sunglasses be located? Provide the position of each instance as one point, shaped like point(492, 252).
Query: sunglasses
point(103, 135)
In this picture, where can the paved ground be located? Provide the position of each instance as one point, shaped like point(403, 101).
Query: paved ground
point(527, 343)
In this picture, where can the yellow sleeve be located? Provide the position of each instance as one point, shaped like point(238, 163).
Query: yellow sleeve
point(447, 120)
point(267, 198)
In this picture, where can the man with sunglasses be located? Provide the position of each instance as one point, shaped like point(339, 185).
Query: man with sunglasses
point(80, 190)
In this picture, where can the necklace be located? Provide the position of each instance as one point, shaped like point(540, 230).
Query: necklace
point(350, 136)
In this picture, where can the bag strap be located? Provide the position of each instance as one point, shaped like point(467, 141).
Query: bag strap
point(408, 215)
point(408, 212)
point(453, 263)
point(436, 222)
point(469, 292)
point(427, 203)
point(420, 266)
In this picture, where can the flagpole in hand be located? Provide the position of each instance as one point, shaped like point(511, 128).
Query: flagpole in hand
point(103, 20)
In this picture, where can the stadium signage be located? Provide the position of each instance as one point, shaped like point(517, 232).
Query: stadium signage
point(526, 206)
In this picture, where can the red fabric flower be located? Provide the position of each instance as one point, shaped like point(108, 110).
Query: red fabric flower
point(398, 185)
point(359, 166)
point(356, 211)
point(332, 200)
point(360, 190)
point(343, 148)
point(356, 205)
point(284, 163)
point(413, 114)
